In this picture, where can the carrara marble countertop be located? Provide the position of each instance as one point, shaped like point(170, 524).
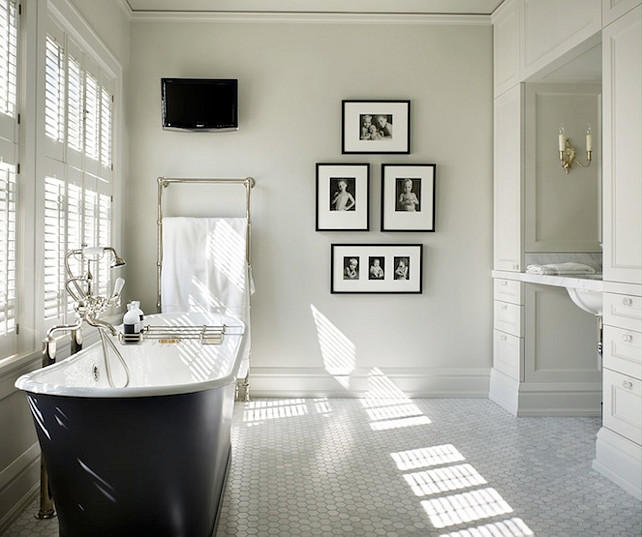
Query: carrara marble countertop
point(589, 282)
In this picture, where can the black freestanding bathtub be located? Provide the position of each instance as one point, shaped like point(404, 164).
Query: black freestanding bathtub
point(149, 459)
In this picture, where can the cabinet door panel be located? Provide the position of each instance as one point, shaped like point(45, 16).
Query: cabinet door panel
point(560, 340)
point(508, 181)
point(623, 351)
point(508, 355)
point(623, 311)
point(568, 24)
point(623, 405)
point(508, 291)
point(506, 45)
point(622, 165)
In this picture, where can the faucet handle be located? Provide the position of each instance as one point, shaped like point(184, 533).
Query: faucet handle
point(115, 296)
point(118, 287)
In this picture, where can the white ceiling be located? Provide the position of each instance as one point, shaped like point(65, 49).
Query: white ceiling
point(475, 7)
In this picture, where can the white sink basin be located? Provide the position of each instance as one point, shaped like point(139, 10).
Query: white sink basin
point(589, 300)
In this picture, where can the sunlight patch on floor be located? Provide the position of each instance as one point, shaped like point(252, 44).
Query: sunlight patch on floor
point(259, 411)
point(465, 507)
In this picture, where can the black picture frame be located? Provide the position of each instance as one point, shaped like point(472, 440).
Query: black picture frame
point(342, 197)
point(408, 197)
point(376, 268)
point(371, 126)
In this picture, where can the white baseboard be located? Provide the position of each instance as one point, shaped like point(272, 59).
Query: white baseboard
point(545, 399)
point(19, 474)
point(504, 391)
point(383, 383)
point(619, 459)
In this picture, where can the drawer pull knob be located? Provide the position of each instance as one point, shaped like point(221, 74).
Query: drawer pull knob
point(627, 301)
point(627, 384)
point(504, 283)
point(504, 307)
point(627, 337)
point(504, 338)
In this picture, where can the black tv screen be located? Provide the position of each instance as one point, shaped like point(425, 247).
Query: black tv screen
point(200, 103)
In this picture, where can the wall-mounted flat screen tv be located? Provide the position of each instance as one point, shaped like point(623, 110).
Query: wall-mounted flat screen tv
point(200, 103)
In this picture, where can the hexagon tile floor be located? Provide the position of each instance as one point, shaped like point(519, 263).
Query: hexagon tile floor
point(405, 468)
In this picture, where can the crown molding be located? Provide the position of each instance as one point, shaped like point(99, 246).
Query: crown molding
point(317, 18)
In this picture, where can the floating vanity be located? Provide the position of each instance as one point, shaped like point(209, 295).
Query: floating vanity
point(545, 359)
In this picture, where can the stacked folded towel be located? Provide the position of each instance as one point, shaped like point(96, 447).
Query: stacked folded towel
point(560, 269)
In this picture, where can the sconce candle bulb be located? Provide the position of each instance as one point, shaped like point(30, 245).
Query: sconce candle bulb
point(589, 140)
point(568, 153)
point(562, 138)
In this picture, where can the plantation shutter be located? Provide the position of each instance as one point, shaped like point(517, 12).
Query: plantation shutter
point(9, 26)
point(54, 90)
point(75, 104)
point(7, 248)
point(78, 122)
point(8, 56)
point(54, 262)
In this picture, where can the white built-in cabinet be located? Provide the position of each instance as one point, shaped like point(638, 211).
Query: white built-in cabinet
point(619, 441)
point(535, 40)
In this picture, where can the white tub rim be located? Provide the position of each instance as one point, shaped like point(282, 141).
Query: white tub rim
point(32, 383)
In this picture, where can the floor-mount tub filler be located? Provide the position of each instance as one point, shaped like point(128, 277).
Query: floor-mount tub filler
point(136, 437)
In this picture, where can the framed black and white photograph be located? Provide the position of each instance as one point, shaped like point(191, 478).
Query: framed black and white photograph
point(376, 268)
point(375, 127)
point(408, 197)
point(343, 192)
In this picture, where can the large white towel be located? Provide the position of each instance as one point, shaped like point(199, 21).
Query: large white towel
point(205, 269)
point(560, 269)
point(204, 266)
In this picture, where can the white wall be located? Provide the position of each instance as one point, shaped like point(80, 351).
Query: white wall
point(292, 78)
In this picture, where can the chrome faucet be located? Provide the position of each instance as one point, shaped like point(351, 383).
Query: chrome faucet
point(81, 288)
point(88, 306)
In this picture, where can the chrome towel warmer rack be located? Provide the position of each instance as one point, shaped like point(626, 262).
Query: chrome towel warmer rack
point(163, 182)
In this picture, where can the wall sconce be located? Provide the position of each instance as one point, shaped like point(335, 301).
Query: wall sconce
point(568, 153)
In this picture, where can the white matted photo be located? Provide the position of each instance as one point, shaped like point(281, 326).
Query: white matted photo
point(376, 268)
point(343, 192)
point(408, 197)
point(375, 127)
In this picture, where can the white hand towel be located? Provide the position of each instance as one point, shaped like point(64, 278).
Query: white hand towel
point(560, 269)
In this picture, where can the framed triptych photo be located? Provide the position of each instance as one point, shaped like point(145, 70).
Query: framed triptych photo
point(376, 268)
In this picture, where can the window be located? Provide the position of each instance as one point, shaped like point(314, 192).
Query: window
point(78, 125)
point(9, 25)
point(56, 175)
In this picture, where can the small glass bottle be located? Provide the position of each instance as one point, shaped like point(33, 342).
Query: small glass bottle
point(131, 320)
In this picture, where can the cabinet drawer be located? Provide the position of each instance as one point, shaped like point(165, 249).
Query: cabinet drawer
point(508, 354)
point(623, 405)
point(508, 318)
point(508, 291)
point(623, 351)
point(623, 311)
